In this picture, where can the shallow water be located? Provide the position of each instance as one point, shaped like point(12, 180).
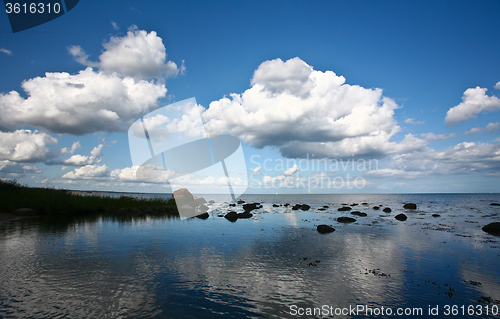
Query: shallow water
point(272, 265)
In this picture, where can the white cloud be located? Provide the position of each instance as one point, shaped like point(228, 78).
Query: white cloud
point(26, 146)
point(292, 170)
point(464, 158)
point(6, 51)
point(89, 172)
point(492, 128)
point(78, 104)
point(139, 54)
point(12, 169)
point(497, 86)
point(474, 101)
point(412, 121)
point(115, 26)
point(473, 130)
point(256, 171)
point(433, 137)
point(300, 110)
point(83, 160)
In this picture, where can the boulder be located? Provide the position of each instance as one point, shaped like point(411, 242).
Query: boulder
point(492, 228)
point(183, 194)
point(321, 208)
point(245, 215)
point(25, 212)
point(436, 215)
point(410, 206)
point(305, 207)
point(203, 208)
point(354, 204)
point(199, 201)
point(387, 210)
point(325, 206)
point(276, 205)
point(241, 202)
point(360, 214)
point(250, 207)
point(401, 217)
point(344, 209)
point(376, 207)
point(364, 204)
point(494, 204)
point(325, 229)
point(231, 216)
point(211, 202)
point(232, 205)
point(203, 216)
point(286, 205)
point(297, 207)
point(344, 219)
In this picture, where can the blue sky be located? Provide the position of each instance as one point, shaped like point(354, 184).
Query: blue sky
point(411, 86)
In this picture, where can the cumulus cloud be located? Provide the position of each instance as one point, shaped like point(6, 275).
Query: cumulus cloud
point(292, 170)
point(474, 101)
point(79, 104)
point(497, 86)
point(412, 121)
point(6, 51)
point(473, 130)
point(12, 169)
point(82, 160)
point(139, 54)
point(492, 128)
point(150, 174)
point(463, 158)
point(26, 146)
point(434, 137)
point(256, 171)
point(114, 25)
point(299, 110)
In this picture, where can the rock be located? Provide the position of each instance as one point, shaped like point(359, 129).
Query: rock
point(494, 204)
point(25, 212)
point(344, 219)
point(325, 229)
point(276, 205)
point(401, 217)
point(436, 215)
point(321, 208)
point(244, 215)
point(492, 228)
point(376, 207)
point(325, 206)
point(136, 211)
point(305, 207)
point(149, 210)
point(199, 201)
point(211, 202)
point(232, 205)
point(387, 210)
point(286, 205)
point(203, 208)
point(183, 195)
point(364, 204)
point(344, 204)
point(297, 207)
point(240, 202)
point(203, 216)
point(410, 206)
point(250, 207)
point(344, 209)
point(231, 216)
point(360, 214)
point(354, 204)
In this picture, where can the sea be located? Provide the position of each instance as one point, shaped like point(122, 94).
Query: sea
point(438, 263)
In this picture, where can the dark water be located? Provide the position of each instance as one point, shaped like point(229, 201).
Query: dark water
point(273, 265)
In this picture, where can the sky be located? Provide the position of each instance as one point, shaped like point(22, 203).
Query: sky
point(324, 96)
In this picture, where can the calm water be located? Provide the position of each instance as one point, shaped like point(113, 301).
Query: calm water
point(272, 265)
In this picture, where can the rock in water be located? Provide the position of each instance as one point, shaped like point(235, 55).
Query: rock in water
point(231, 216)
point(346, 220)
point(387, 210)
point(495, 204)
point(376, 207)
point(250, 207)
point(203, 216)
point(493, 228)
point(401, 217)
point(305, 207)
point(436, 215)
point(183, 194)
point(410, 206)
point(245, 215)
point(360, 214)
point(325, 229)
point(344, 209)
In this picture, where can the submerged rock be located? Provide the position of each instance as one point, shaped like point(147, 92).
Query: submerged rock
point(410, 206)
point(344, 219)
point(387, 210)
point(344, 209)
point(325, 229)
point(245, 215)
point(360, 214)
point(492, 228)
point(401, 217)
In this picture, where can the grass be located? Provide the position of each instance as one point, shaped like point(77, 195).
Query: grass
point(49, 201)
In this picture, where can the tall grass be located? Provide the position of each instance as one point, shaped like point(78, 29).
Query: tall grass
point(48, 201)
